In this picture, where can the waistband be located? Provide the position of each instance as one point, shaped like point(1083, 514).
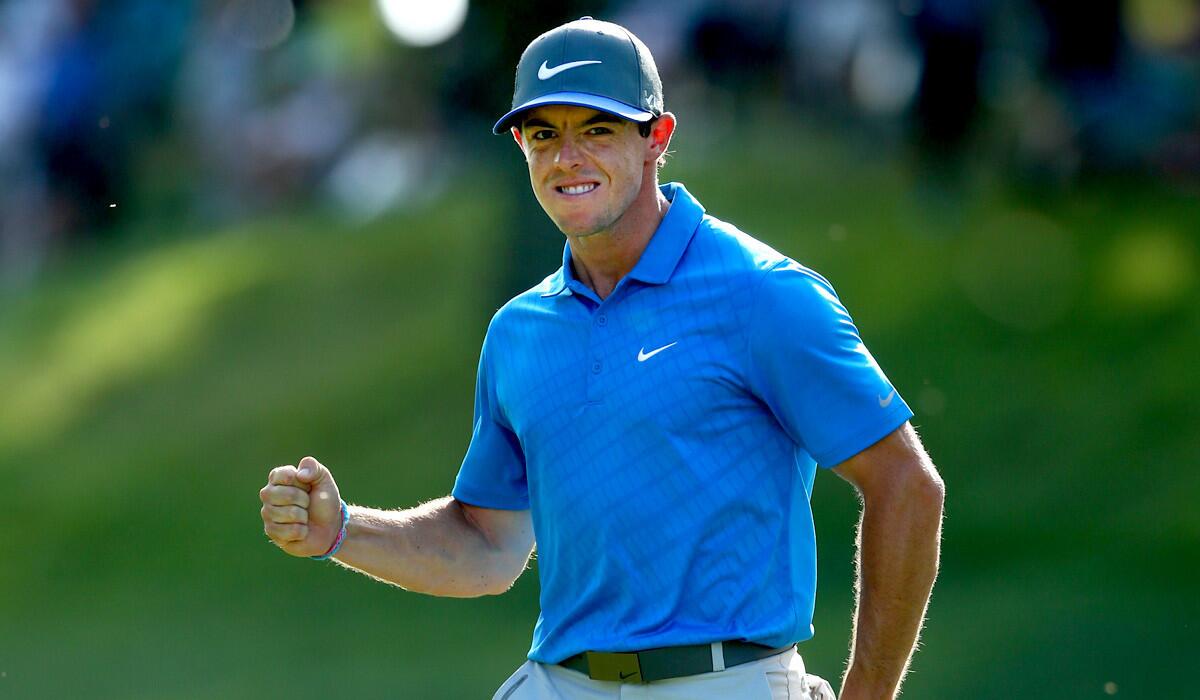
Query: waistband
point(668, 662)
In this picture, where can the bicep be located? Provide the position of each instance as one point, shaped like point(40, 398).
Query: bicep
point(895, 463)
point(509, 531)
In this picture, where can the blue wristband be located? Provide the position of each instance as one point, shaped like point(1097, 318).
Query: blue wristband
point(337, 543)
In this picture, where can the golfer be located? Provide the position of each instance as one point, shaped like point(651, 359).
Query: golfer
point(652, 416)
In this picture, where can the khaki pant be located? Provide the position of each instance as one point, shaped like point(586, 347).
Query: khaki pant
point(779, 677)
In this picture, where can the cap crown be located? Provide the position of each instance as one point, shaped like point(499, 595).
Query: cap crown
point(583, 58)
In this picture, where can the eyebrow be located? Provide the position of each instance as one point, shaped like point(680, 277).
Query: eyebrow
point(602, 118)
point(598, 118)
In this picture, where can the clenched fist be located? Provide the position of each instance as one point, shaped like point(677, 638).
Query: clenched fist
point(301, 508)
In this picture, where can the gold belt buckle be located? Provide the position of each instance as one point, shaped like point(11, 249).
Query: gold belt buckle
point(605, 666)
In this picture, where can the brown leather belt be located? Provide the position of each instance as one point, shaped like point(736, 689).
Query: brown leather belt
point(667, 662)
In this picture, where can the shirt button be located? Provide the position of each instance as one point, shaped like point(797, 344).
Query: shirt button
point(597, 366)
point(602, 320)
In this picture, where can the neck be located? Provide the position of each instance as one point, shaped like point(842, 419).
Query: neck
point(600, 260)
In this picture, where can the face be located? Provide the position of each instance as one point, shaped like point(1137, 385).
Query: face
point(586, 167)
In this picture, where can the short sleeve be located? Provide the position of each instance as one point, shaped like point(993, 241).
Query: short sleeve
point(492, 474)
point(811, 368)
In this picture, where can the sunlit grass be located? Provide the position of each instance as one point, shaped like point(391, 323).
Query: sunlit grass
point(122, 327)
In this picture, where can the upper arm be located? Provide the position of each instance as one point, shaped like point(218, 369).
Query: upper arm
point(492, 473)
point(809, 365)
point(508, 532)
point(896, 464)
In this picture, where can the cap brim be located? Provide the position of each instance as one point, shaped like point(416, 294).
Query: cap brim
point(578, 99)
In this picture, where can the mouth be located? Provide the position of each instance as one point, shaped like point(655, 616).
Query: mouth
point(575, 190)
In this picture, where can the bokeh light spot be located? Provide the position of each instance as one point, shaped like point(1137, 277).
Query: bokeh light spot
point(423, 23)
point(884, 75)
point(1022, 270)
point(1162, 24)
point(931, 401)
point(258, 24)
point(1149, 269)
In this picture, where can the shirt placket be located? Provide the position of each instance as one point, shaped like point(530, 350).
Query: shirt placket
point(599, 339)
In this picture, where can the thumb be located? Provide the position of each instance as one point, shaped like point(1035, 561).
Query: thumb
point(325, 504)
point(310, 471)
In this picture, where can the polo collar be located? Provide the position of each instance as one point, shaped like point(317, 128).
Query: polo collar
point(665, 250)
point(662, 253)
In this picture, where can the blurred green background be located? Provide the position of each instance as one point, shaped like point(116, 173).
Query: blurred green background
point(1028, 279)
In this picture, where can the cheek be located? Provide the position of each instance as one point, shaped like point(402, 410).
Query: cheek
point(537, 171)
point(627, 171)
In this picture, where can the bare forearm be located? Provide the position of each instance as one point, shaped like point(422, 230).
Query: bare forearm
point(899, 538)
point(433, 548)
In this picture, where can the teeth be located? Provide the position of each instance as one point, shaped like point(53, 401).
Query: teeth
point(578, 189)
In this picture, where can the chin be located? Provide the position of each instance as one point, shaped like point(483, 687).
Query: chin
point(576, 231)
point(576, 227)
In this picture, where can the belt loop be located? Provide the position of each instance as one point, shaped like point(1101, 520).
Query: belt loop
point(718, 656)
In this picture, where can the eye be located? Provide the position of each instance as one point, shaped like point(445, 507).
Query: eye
point(599, 130)
point(542, 135)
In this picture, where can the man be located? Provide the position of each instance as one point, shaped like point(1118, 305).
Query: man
point(652, 415)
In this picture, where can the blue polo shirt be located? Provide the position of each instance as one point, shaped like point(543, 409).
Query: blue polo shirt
point(666, 438)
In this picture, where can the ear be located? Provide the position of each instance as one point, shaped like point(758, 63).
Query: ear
point(516, 134)
point(660, 135)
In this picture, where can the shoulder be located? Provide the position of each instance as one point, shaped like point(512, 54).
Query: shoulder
point(528, 306)
point(774, 286)
point(793, 304)
point(758, 267)
point(734, 250)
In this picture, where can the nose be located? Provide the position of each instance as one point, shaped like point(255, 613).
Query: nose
point(569, 155)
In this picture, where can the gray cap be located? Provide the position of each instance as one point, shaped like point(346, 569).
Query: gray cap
point(587, 63)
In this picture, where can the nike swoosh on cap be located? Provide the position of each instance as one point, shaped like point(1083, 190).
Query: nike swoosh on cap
point(546, 73)
point(884, 403)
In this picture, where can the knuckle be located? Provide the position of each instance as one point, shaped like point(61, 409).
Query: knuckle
point(288, 514)
point(283, 474)
point(284, 533)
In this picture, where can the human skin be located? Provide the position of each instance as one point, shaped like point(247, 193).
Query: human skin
point(444, 547)
point(610, 225)
point(899, 539)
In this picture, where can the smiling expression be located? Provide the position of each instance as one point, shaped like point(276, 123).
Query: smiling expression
point(586, 167)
